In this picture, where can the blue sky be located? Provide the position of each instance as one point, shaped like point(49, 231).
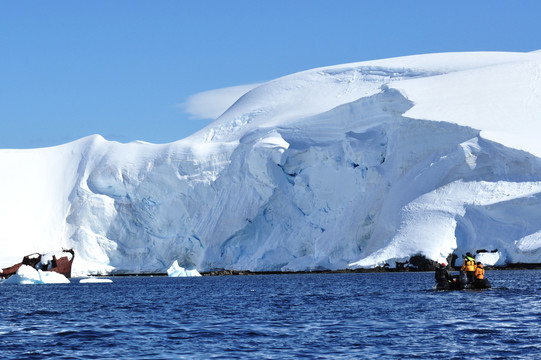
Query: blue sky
point(70, 69)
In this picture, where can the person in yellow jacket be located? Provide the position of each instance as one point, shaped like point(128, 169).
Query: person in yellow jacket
point(479, 272)
point(480, 281)
point(469, 267)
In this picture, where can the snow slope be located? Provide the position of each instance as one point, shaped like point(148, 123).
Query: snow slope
point(354, 165)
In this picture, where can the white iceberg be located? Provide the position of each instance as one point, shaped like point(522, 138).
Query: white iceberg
point(490, 258)
point(95, 281)
point(178, 271)
point(28, 275)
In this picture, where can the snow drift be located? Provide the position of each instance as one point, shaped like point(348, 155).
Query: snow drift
point(354, 165)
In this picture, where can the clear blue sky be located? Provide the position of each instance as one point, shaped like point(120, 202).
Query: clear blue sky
point(70, 69)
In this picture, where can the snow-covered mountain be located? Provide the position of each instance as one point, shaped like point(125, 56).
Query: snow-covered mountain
point(354, 165)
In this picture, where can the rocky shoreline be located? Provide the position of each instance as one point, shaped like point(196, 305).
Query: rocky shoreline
point(379, 269)
point(417, 263)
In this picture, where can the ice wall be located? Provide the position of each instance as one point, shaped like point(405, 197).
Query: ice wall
point(325, 169)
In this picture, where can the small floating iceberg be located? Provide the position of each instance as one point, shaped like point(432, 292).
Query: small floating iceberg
point(489, 258)
point(28, 275)
point(177, 271)
point(95, 281)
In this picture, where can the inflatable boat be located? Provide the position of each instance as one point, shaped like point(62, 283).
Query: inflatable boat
point(460, 282)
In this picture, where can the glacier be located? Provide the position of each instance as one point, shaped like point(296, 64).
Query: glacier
point(348, 166)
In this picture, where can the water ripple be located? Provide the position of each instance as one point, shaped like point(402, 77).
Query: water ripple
point(318, 316)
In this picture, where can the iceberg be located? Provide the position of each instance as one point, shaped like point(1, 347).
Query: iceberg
point(177, 271)
point(346, 166)
point(95, 281)
point(28, 275)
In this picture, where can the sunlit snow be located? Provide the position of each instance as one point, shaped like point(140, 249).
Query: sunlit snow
point(355, 165)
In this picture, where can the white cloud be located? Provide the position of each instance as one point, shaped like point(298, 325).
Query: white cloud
point(213, 103)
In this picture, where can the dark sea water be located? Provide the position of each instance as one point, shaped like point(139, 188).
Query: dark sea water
point(311, 316)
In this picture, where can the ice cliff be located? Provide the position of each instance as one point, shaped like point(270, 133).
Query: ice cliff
point(354, 165)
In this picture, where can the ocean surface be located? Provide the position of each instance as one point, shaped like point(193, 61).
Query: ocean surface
point(307, 316)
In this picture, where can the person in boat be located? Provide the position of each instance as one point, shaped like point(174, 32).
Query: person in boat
point(469, 267)
point(481, 282)
point(479, 274)
point(443, 277)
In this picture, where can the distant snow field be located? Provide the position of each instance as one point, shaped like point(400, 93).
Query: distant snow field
point(356, 165)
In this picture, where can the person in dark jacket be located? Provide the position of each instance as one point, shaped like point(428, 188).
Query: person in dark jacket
point(443, 277)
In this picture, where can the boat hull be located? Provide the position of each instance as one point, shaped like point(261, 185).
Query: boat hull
point(459, 283)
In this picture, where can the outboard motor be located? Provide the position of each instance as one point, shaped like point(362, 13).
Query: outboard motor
point(463, 280)
point(482, 284)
